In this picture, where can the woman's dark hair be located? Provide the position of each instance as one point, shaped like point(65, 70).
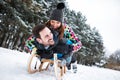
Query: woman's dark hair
point(60, 30)
point(37, 29)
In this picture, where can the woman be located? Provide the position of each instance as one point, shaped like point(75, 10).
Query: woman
point(55, 23)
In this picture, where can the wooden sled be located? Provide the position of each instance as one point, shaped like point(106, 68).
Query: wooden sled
point(53, 62)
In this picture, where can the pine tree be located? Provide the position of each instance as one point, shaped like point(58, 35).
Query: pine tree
point(18, 17)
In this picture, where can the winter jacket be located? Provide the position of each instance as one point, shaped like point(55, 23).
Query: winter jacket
point(60, 47)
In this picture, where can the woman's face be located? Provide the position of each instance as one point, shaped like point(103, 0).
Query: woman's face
point(55, 24)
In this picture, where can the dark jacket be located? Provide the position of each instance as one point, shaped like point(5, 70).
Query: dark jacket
point(60, 46)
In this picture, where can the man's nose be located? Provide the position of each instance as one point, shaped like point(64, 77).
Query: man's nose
point(50, 37)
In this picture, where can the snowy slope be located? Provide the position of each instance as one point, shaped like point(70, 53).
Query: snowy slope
point(13, 66)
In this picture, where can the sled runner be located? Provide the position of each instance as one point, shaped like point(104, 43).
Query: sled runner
point(59, 70)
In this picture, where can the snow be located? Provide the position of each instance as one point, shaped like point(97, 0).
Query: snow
point(13, 66)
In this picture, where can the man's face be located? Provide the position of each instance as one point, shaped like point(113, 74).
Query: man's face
point(46, 37)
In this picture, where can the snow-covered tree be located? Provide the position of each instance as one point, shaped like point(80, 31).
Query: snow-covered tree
point(18, 17)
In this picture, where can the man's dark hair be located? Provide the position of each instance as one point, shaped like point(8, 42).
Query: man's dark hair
point(37, 29)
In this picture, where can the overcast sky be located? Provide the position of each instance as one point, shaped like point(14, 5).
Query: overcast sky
point(105, 16)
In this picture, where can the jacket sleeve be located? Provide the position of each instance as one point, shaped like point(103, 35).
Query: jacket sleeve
point(29, 44)
point(72, 38)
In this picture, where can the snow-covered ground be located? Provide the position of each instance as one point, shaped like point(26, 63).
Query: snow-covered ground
point(13, 66)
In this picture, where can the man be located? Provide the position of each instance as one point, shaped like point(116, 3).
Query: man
point(46, 44)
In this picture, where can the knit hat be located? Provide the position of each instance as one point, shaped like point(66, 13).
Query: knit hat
point(57, 14)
